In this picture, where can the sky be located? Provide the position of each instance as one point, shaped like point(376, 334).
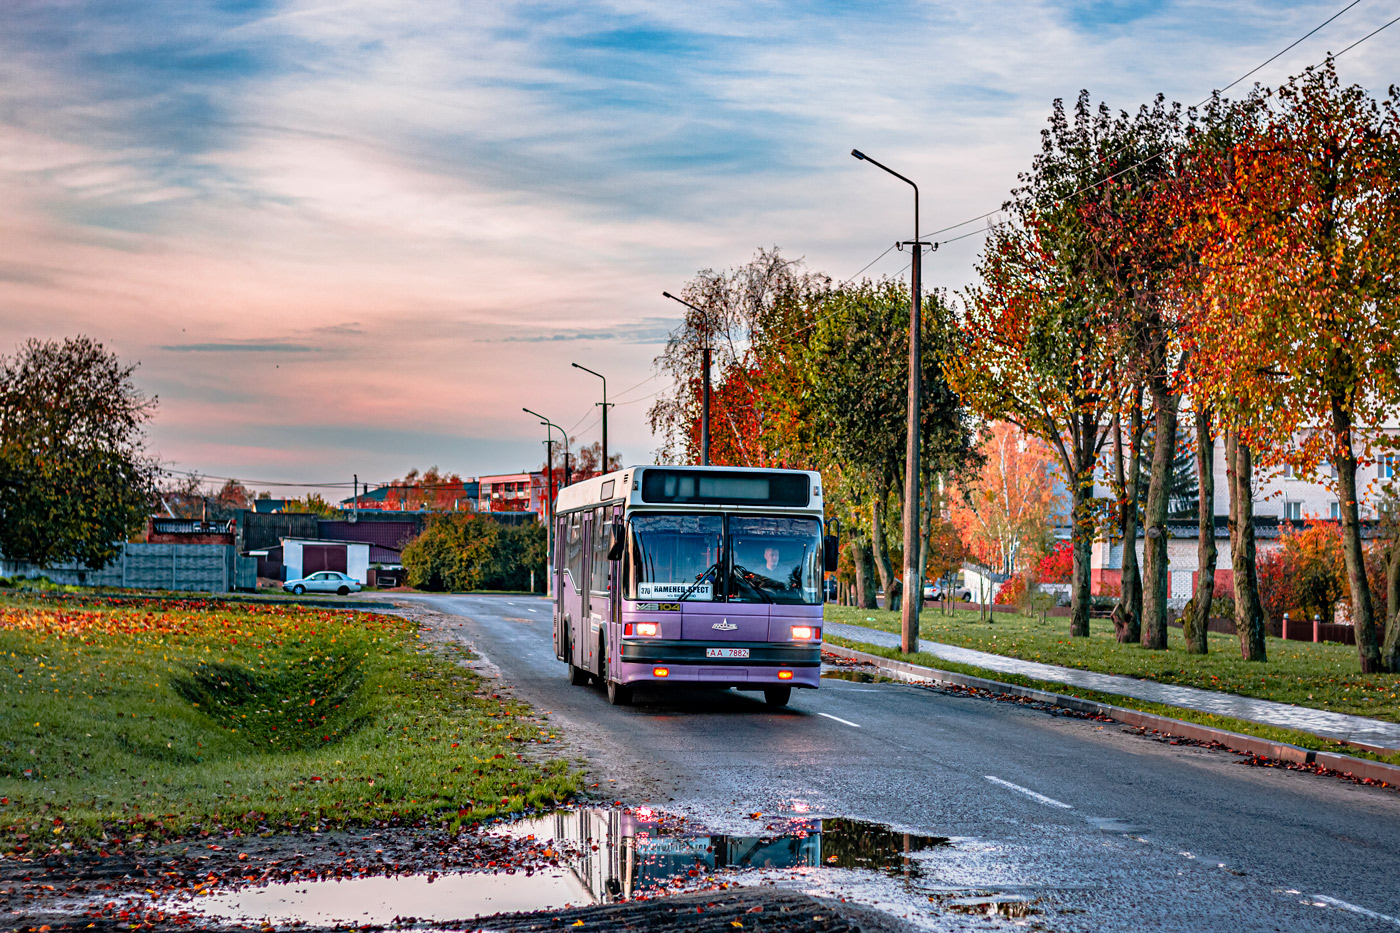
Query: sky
point(357, 237)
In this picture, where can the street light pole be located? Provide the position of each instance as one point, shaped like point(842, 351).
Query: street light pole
point(913, 582)
point(603, 467)
point(550, 426)
point(704, 382)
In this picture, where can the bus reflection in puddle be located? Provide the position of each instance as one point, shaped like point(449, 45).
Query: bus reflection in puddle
point(625, 853)
point(605, 856)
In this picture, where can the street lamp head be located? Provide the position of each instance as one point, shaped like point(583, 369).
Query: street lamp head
point(576, 366)
point(858, 154)
point(670, 296)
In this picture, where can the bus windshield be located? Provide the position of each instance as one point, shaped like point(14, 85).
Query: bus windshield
point(755, 559)
point(675, 556)
point(774, 559)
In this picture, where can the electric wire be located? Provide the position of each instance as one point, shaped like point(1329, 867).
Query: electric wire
point(1143, 161)
point(1365, 37)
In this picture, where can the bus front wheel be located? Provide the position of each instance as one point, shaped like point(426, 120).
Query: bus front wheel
point(619, 694)
point(777, 696)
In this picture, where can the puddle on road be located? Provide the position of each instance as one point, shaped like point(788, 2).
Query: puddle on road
point(1008, 908)
point(381, 900)
point(604, 856)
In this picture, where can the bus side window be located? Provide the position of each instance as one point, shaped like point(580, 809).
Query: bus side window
point(573, 558)
point(600, 553)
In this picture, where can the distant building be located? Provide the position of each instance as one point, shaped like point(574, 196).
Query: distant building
point(513, 492)
point(1282, 500)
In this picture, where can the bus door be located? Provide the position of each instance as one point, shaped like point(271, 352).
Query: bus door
point(586, 627)
point(614, 578)
point(556, 571)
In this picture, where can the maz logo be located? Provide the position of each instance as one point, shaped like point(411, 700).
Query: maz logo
point(724, 626)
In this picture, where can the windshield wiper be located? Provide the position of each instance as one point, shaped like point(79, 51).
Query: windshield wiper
point(698, 580)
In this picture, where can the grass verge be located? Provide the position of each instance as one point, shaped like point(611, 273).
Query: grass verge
point(1243, 726)
point(1321, 676)
point(139, 722)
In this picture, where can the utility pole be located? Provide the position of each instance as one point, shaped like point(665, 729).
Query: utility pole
point(704, 380)
point(548, 514)
point(355, 493)
point(913, 574)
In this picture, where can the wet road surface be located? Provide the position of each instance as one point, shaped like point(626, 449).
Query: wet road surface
point(1096, 828)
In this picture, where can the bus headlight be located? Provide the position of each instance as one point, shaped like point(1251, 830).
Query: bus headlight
point(804, 632)
point(644, 629)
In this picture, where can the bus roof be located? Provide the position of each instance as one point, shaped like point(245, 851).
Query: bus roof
point(626, 485)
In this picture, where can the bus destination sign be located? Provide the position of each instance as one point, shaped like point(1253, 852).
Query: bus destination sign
point(790, 490)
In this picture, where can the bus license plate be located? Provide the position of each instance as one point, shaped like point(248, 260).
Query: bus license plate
point(726, 652)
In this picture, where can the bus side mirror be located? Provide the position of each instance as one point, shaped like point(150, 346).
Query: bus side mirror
point(617, 541)
point(831, 552)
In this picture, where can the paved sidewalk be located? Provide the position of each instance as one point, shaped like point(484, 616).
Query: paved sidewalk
point(1357, 729)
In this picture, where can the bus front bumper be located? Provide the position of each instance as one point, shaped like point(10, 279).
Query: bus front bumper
point(797, 665)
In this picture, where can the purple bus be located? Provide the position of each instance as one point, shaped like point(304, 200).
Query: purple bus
point(699, 575)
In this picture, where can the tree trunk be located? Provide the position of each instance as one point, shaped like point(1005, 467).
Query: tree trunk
point(1363, 619)
point(1198, 626)
point(1130, 598)
point(1081, 541)
point(865, 593)
point(1249, 614)
point(929, 503)
point(879, 547)
point(1390, 649)
point(1156, 570)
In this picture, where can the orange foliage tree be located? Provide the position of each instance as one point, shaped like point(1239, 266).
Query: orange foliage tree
point(1005, 508)
point(749, 317)
point(1301, 337)
point(1037, 346)
point(432, 489)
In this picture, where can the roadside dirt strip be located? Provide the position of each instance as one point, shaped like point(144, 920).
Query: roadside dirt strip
point(1345, 765)
point(747, 909)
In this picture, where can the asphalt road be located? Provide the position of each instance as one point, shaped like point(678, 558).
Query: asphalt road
point(1099, 828)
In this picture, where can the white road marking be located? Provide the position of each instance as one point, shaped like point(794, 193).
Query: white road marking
point(1048, 801)
point(1362, 911)
point(847, 722)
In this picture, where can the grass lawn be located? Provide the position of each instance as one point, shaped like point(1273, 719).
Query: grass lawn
point(140, 721)
point(1324, 676)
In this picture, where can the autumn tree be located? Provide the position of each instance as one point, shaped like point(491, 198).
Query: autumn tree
point(749, 317)
point(1304, 334)
point(75, 479)
point(430, 489)
point(587, 460)
point(1038, 347)
point(1004, 509)
point(856, 379)
point(1133, 257)
point(314, 503)
point(232, 496)
point(181, 495)
point(465, 551)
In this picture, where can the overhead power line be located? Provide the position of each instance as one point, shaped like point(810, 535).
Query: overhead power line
point(1292, 45)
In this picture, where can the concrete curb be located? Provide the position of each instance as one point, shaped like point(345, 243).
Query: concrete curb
point(1356, 767)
